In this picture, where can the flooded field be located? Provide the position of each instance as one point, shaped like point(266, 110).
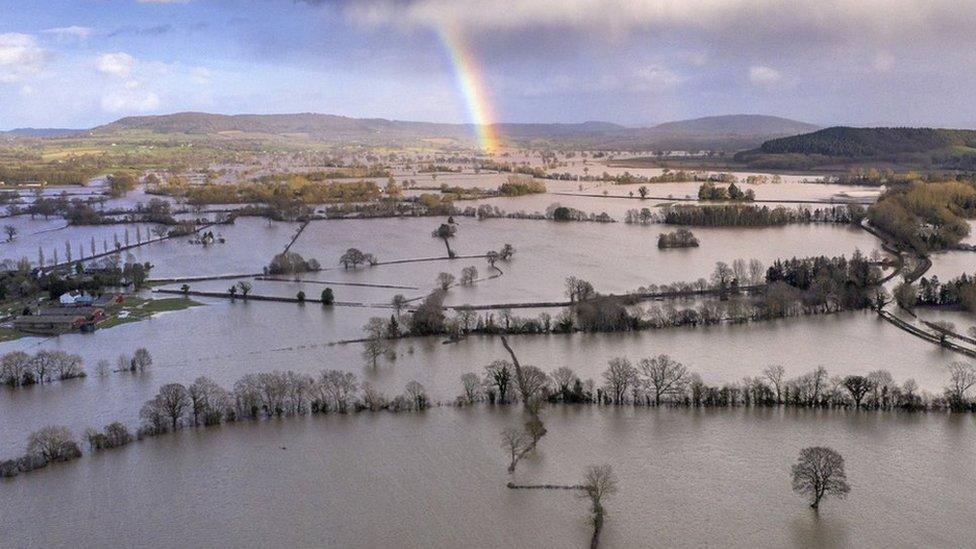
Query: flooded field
point(687, 479)
point(362, 481)
point(227, 340)
point(538, 270)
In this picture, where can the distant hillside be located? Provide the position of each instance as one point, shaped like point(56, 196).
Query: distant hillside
point(40, 132)
point(729, 133)
point(934, 147)
point(279, 124)
point(736, 124)
point(860, 142)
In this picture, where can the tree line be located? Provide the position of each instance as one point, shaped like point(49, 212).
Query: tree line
point(663, 381)
point(740, 215)
point(20, 369)
point(206, 403)
point(788, 288)
point(958, 291)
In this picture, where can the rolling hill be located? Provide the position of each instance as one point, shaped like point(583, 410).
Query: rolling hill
point(841, 145)
point(735, 132)
point(736, 124)
point(40, 132)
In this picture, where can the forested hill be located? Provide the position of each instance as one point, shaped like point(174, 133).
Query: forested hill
point(867, 142)
point(841, 146)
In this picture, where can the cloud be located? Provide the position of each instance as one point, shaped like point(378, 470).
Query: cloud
point(201, 75)
point(74, 32)
point(652, 78)
point(861, 20)
point(763, 75)
point(130, 98)
point(20, 57)
point(157, 30)
point(116, 64)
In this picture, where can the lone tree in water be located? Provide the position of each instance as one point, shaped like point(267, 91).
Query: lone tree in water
point(514, 441)
point(445, 281)
point(244, 287)
point(446, 232)
point(492, 257)
point(598, 483)
point(819, 472)
point(375, 344)
point(399, 303)
point(354, 258)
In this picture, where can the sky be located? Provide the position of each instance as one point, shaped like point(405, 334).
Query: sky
point(82, 63)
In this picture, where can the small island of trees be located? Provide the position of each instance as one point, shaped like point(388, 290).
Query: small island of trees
point(710, 191)
point(291, 263)
point(682, 238)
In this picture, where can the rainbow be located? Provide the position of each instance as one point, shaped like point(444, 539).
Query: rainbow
point(471, 87)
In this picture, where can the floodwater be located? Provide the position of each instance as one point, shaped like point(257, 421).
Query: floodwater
point(228, 340)
point(616, 257)
point(687, 478)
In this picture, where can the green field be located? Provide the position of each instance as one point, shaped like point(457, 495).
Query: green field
point(140, 309)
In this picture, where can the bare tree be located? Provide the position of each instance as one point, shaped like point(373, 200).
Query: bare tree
point(15, 368)
point(663, 376)
point(776, 374)
point(174, 402)
point(530, 380)
point(881, 386)
point(533, 384)
point(857, 386)
point(337, 388)
point(492, 257)
point(469, 275)
point(445, 281)
point(66, 366)
point(515, 442)
point(373, 398)
point(618, 377)
point(153, 417)
point(465, 318)
point(208, 401)
point(578, 290)
point(740, 270)
point(417, 395)
point(564, 377)
point(599, 482)
point(757, 273)
point(472, 387)
point(399, 303)
point(141, 360)
point(499, 374)
point(53, 443)
point(116, 434)
point(962, 377)
point(42, 365)
point(375, 344)
point(819, 472)
point(245, 288)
